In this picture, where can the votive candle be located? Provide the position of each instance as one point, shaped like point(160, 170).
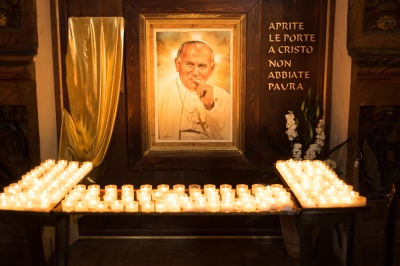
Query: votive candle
point(132, 206)
point(117, 206)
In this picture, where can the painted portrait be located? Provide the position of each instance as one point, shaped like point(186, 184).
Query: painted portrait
point(193, 85)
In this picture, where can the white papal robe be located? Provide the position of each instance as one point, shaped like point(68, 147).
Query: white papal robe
point(182, 116)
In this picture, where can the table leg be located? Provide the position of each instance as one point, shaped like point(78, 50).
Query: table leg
point(306, 250)
point(325, 239)
point(350, 244)
point(34, 237)
point(62, 239)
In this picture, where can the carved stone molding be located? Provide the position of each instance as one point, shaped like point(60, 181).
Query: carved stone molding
point(382, 69)
point(14, 152)
point(18, 27)
point(10, 14)
point(374, 83)
point(16, 68)
point(383, 15)
point(380, 144)
point(19, 124)
point(373, 27)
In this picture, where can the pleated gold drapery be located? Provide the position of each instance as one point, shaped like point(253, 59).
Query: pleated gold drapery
point(94, 72)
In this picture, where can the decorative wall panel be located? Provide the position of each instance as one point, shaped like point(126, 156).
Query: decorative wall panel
point(18, 27)
point(375, 85)
point(19, 129)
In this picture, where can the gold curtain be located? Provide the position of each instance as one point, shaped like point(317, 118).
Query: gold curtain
point(94, 73)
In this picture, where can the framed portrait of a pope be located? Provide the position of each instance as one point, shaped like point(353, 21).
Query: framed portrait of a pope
point(192, 82)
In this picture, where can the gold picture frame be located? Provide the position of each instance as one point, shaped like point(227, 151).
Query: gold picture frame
point(163, 34)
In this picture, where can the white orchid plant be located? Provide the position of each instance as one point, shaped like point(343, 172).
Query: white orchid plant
point(313, 149)
point(307, 142)
point(312, 145)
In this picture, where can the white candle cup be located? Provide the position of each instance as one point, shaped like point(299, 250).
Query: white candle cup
point(24, 184)
point(225, 188)
point(132, 206)
point(339, 201)
point(256, 187)
point(183, 197)
point(31, 205)
point(144, 198)
point(81, 188)
point(284, 197)
point(263, 206)
point(268, 191)
point(4, 204)
point(212, 193)
point(55, 198)
point(73, 164)
point(249, 206)
point(213, 197)
point(81, 206)
point(109, 198)
point(163, 188)
point(68, 205)
point(195, 193)
point(92, 204)
point(179, 189)
point(228, 195)
point(188, 206)
point(87, 165)
point(308, 203)
point(140, 193)
point(242, 193)
point(200, 197)
point(323, 203)
point(194, 187)
point(127, 189)
point(273, 204)
point(360, 201)
point(117, 206)
point(146, 188)
point(227, 205)
point(169, 196)
point(276, 186)
point(93, 189)
point(77, 195)
point(8, 190)
point(156, 195)
point(127, 198)
point(241, 188)
point(126, 192)
point(208, 188)
point(161, 206)
point(238, 205)
point(102, 206)
point(44, 206)
point(214, 206)
point(147, 206)
point(201, 206)
point(174, 206)
point(12, 199)
point(18, 206)
point(110, 189)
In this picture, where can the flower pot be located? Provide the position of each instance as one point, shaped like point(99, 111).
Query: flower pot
point(291, 235)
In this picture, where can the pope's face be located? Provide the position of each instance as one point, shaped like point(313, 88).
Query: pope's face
point(195, 65)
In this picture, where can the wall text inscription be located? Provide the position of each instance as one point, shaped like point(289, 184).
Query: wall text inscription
point(290, 40)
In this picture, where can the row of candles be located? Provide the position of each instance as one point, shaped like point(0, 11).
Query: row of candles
point(315, 185)
point(44, 186)
point(257, 198)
